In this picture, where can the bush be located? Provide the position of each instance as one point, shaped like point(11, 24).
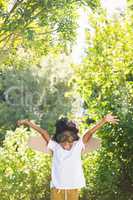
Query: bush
point(24, 173)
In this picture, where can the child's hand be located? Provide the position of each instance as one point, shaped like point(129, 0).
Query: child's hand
point(112, 119)
point(22, 122)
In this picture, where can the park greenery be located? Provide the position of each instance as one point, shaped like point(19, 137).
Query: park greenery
point(40, 81)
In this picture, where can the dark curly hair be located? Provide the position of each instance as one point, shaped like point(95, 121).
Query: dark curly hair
point(66, 130)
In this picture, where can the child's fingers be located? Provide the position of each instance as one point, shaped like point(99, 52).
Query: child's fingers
point(18, 122)
point(22, 122)
point(115, 121)
point(115, 117)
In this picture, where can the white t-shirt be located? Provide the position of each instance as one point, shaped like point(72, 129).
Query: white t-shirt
point(67, 171)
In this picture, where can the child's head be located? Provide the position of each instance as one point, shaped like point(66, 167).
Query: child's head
point(66, 133)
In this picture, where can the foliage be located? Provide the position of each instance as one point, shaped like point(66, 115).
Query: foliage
point(39, 24)
point(105, 82)
point(24, 173)
point(27, 20)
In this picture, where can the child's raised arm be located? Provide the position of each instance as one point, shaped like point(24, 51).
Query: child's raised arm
point(108, 118)
point(40, 130)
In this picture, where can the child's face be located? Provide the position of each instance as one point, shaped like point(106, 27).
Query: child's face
point(66, 145)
